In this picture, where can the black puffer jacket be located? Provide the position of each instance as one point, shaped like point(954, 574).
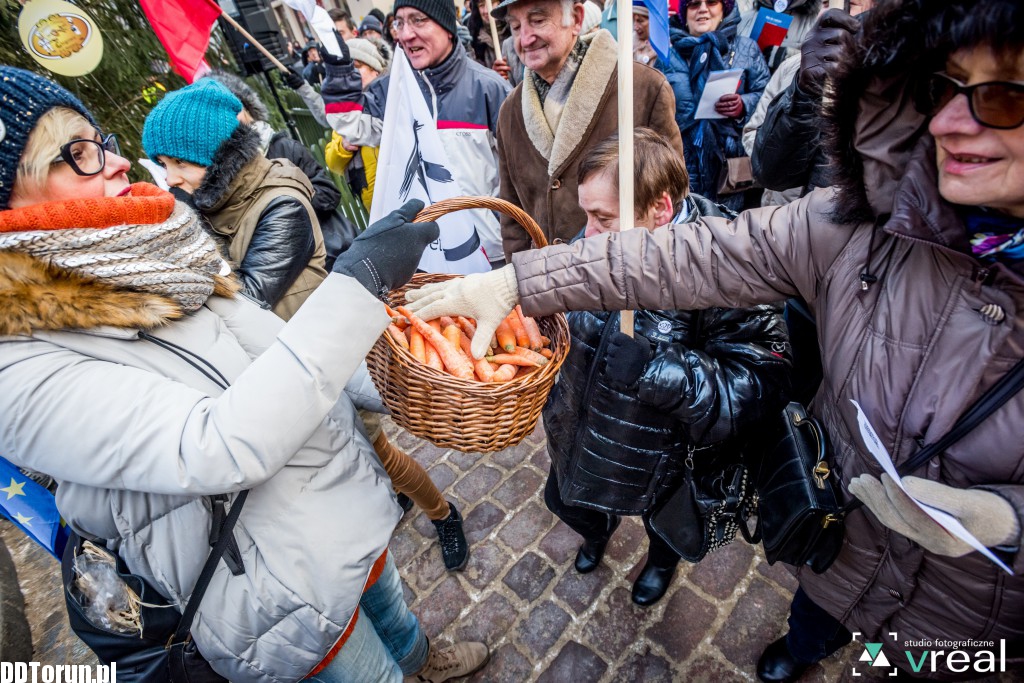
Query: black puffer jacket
point(714, 373)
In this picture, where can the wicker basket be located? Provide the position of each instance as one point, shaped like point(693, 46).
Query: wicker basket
point(455, 413)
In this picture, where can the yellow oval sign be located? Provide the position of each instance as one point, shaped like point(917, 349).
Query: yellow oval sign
point(60, 36)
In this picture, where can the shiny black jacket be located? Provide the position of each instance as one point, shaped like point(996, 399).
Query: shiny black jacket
point(714, 373)
point(326, 195)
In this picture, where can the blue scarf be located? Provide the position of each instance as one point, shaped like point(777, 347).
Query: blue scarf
point(994, 235)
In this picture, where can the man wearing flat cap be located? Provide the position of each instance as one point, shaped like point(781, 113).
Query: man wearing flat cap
point(566, 104)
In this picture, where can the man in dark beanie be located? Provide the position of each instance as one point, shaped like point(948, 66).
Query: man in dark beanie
point(463, 96)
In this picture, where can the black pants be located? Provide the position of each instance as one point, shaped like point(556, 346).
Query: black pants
point(592, 525)
point(813, 633)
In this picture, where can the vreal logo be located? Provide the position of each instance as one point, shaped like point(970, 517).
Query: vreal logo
point(874, 656)
point(953, 655)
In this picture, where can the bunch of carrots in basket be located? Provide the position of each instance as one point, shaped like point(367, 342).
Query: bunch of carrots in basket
point(517, 348)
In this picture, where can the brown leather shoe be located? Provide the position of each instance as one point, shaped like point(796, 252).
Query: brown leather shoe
point(454, 661)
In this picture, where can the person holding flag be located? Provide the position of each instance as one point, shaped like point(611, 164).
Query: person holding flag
point(434, 117)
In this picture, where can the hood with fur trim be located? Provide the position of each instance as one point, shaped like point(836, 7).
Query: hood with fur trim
point(872, 124)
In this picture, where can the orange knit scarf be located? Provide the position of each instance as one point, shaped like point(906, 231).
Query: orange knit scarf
point(146, 204)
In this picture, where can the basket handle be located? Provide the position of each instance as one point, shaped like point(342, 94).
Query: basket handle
point(446, 206)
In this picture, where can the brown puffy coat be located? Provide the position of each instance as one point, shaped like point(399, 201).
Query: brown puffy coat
point(912, 349)
point(538, 170)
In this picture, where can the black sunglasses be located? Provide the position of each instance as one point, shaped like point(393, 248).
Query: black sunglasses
point(996, 104)
point(88, 157)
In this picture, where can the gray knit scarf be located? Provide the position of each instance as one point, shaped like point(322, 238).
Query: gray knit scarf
point(175, 258)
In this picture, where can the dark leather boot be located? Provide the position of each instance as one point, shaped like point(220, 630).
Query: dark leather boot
point(405, 502)
point(454, 548)
point(778, 665)
point(590, 553)
point(652, 583)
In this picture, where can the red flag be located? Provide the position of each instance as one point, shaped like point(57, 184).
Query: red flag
point(183, 27)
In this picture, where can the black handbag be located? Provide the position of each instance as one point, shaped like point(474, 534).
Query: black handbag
point(162, 651)
point(799, 517)
point(713, 502)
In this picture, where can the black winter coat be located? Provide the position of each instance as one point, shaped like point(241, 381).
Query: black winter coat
point(713, 374)
point(326, 195)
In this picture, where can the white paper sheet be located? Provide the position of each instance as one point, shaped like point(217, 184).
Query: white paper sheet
point(719, 83)
point(944, 519)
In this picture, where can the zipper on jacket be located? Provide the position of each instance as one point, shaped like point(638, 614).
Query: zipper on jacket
point(581, 428)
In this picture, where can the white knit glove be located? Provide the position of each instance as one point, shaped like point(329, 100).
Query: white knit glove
point(487, 297)
point(988, 516)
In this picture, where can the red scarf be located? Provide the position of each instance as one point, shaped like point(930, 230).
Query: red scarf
point(145, 204)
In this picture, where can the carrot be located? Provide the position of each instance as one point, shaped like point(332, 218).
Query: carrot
point(467, 326)
point(445, 321)
point(504, 373)
point(547, 353)
point(506, 337)
point(453, 334)
point(545, 341)
point(532, 329)
point(433, 355)
point(537, 358)
point(396, 318)
point(452, 358)
point(522, 372)
point(512, 359)
point(517, 329)
point(416, 346)
point(390, 311)
point(398, 336)
point(484, 370)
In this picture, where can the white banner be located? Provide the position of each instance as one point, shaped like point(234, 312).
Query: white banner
point(413, 164)
point(317, 17)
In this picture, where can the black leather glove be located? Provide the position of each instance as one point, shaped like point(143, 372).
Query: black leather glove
point(292, 78)
point(335, 60)
point(386, 254)
point(626, 358)
point(830, 43)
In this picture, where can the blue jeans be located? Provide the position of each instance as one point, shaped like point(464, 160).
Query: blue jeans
point(386, 643)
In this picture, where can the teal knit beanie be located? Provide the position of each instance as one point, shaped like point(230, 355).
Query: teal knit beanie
point(191, 123)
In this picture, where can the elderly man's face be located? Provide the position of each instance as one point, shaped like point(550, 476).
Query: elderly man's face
point(543, 34)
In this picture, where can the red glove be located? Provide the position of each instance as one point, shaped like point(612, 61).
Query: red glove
point(730, 106)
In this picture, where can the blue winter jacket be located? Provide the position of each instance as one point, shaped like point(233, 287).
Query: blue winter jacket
point(707, 143)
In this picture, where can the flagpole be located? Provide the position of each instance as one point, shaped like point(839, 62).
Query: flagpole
point(494, 31)
point(626, 213)
point(255, 43)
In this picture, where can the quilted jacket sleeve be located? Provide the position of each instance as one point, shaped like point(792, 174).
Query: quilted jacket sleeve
point(280, 249)
point(353, 113)
point(737, 373)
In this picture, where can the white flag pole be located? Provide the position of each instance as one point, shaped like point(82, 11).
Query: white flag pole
point(626, 215)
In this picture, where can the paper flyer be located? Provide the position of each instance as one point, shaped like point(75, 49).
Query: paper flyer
point(944, 519)
point(770, 28)
point(719, 83)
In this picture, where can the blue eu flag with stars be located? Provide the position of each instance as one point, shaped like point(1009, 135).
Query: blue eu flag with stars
point(32, 509)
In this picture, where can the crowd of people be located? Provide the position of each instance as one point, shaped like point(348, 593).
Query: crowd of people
point(845, 226)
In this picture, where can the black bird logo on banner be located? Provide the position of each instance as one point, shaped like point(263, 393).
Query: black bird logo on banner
point(420, 169)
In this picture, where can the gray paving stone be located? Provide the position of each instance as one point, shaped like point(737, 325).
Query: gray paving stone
point(758, 618)
point(480, 521)
point(518, 488)
point(529, 577)
point(575, 663)
point(526, 526)
point(542, 627)
point(477, 483)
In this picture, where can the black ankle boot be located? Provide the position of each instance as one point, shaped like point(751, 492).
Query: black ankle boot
point(590, 553)
point(652, 583)
point(454, 548)
point(405, 502)
point(777, 665)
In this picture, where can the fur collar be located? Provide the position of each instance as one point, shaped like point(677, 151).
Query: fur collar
point(35, 296)
point(233, 155)
point(585, 97)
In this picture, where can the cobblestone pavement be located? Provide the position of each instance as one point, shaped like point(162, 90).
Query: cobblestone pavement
point(520, 594)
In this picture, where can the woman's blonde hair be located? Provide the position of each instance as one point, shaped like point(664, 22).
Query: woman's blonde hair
point(54, 128)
